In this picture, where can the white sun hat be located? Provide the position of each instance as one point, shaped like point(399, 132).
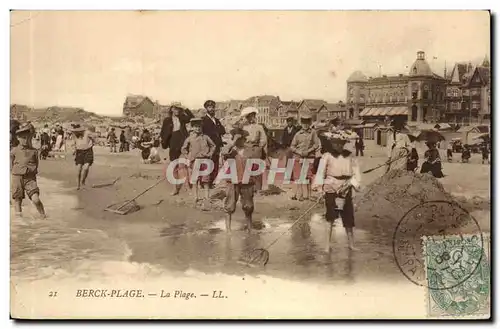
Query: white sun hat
point(247, 110)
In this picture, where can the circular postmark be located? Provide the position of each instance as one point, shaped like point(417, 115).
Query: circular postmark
point(438, 244)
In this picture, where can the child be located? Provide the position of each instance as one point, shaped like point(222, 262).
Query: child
point(236, 150)
point(154, 155)
point(198, 146)
point(44, 145)
point(341, 175)
point(84, 153)
point(465, 153)
point(112, 140)
point(24, 168)
point(305, 146)
point(123, 141)
point(432, 163)
point(485, 153)
point(449, 152)
point(145, 144)
point(412, 161)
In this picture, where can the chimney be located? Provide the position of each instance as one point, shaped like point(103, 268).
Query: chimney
point(469, 67)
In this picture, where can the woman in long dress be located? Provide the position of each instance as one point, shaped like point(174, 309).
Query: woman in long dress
point(398, 146)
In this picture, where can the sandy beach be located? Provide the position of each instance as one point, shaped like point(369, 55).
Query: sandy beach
point(171, 240)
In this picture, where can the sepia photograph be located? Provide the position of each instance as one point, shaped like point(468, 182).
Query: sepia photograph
point(190, 164)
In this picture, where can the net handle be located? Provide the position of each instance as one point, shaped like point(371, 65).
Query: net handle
point(295, 222)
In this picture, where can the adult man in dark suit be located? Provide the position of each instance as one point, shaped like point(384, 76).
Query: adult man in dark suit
point(212, 127)
point(289, 132)
point(174, 133)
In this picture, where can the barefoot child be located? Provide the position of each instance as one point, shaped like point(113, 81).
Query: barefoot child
point(244, 191)
point(83, 150)
point(341, 175)
point(305, 145)
point(24, 168)
point(198, 146)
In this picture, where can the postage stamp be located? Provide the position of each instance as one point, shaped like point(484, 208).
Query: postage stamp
point(432, 219)
point(457, 269)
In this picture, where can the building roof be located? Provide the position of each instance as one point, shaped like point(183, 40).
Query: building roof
point(288, 103)
point(357, 76)
point(134, 101)
point(384, 111)
point(334, 107)
point(420, 67)
point(313, 103)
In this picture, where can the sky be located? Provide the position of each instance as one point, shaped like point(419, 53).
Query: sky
point(93, 59)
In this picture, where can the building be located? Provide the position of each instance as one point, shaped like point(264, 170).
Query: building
point(138, 105)
point(328, 111)
point(268, 106)
point(468, 93)
point(311, 107)
point(417, 96)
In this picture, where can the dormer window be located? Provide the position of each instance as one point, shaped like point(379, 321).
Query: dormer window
point(415, 70)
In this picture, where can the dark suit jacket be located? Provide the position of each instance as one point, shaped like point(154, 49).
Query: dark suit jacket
point(166, 129)
point(286, 138)
point(213, 130)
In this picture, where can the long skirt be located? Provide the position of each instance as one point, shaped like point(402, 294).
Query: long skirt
point(401, 154)
point(59, 143)
point(176, 142)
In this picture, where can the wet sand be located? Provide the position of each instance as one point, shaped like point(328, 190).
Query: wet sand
point(171, 236)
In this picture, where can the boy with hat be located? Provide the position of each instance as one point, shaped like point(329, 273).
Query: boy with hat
point(83, 150)
point(24, 168)
point(238, 189)
point(305, 146)
point(341, 175)
point(198, 146)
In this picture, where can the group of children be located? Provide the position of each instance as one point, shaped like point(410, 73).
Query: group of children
point(340, 170)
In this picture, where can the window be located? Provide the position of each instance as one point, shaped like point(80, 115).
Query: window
point(414, 94)
point(475, 92)
point(455, 92)
point(476, 105)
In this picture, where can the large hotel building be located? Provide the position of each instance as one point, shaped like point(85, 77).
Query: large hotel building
point(421, 95)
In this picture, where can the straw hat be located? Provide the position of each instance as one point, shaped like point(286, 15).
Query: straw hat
point(248, 110)
point(305, 117)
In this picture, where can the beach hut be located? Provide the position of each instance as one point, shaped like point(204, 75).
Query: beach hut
point(381, 134)
point(471, 132)
point(368, 130)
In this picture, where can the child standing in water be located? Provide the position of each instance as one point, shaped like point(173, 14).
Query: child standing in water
point(239, 189)
point(341, 175)
point(24, 169)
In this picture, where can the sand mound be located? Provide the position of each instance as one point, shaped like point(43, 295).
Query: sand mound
point(392, 195)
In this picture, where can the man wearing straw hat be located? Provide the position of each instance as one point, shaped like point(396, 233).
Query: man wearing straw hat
point(83, 143)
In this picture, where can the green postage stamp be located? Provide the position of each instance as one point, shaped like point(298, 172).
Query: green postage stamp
point(457, 271)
